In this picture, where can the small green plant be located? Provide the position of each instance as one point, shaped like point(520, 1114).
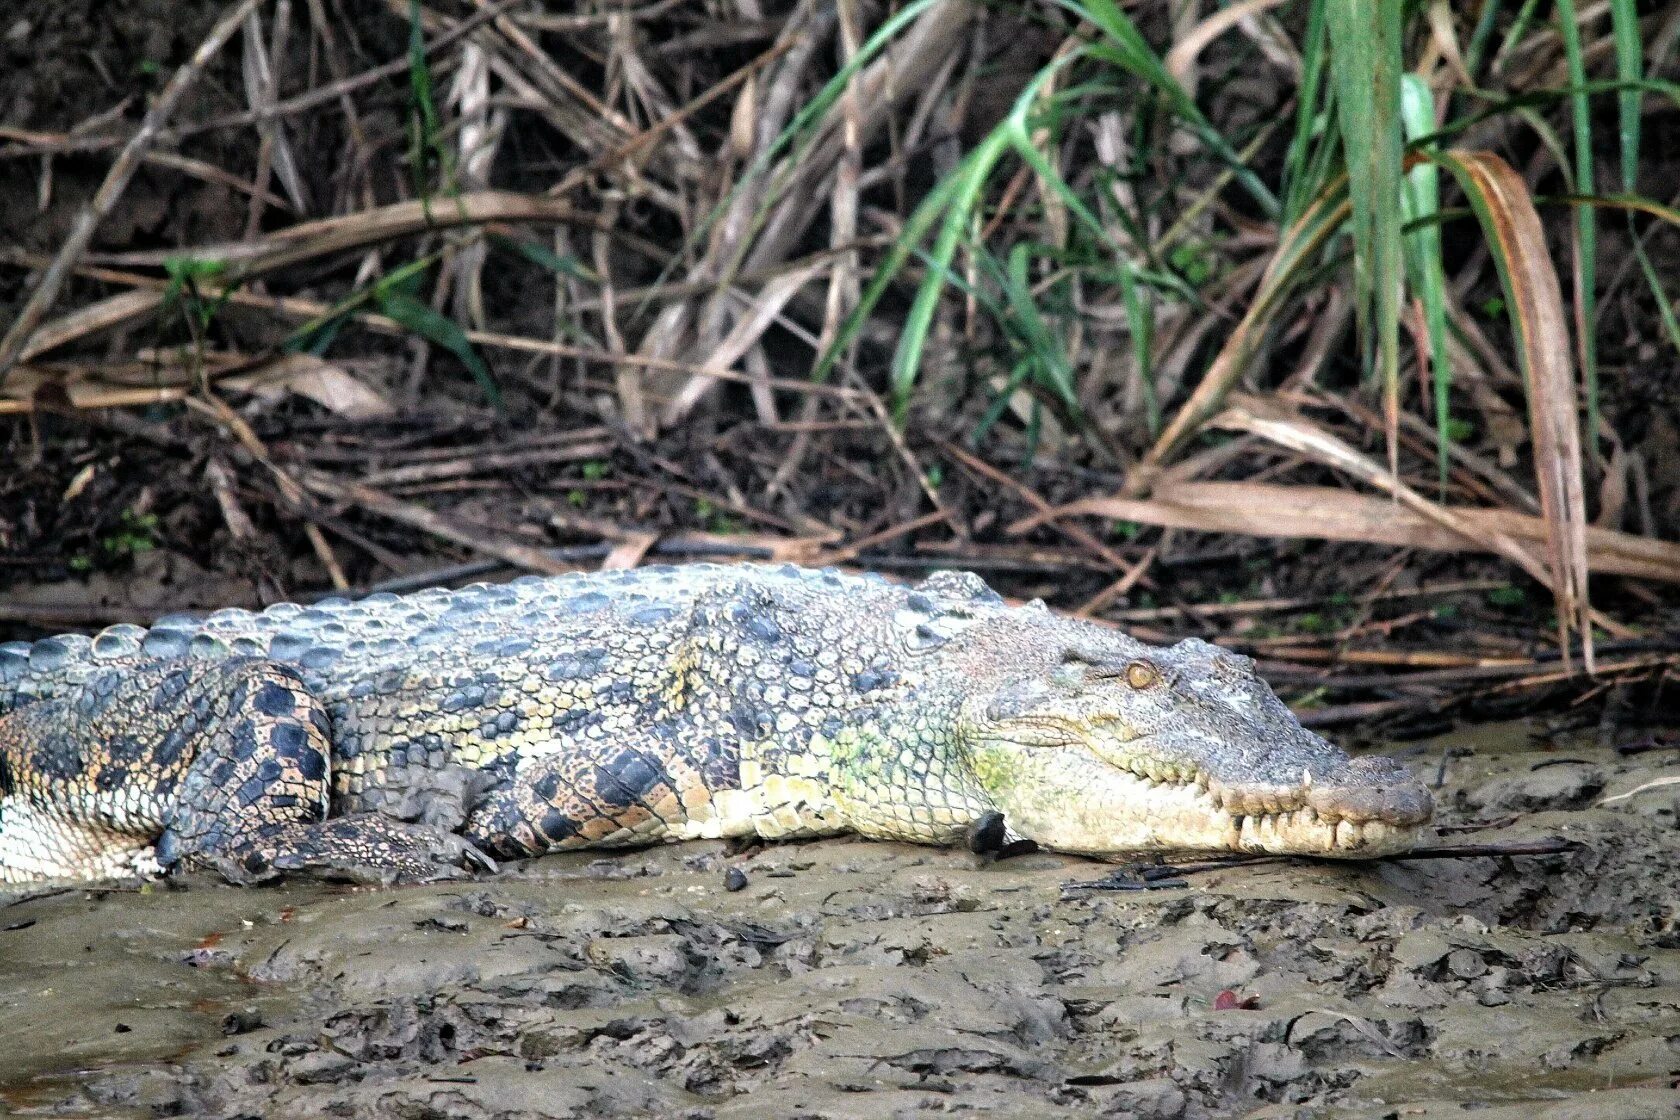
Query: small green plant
point(1124, 530)
point(1507, 596)
point(135, 533)
point(714, 520)
point(1314, 623)
point(396, 296)
point(428, 156)
point(190, 293)
point(1194, 261)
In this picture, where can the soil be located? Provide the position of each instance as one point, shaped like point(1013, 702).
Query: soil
point(856, 979)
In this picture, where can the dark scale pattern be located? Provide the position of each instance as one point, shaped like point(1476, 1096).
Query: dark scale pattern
point(595, 710)
point(209, 763)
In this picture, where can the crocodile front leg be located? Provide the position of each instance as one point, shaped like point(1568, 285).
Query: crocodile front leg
point(636, 788)
point(226, 765)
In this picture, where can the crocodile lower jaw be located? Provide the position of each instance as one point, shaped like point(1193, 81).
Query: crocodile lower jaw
point(1132, 814)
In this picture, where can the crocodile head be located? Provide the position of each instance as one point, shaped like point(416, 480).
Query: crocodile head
point(1095, 743)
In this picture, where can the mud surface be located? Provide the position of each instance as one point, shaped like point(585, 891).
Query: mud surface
point(850, 979)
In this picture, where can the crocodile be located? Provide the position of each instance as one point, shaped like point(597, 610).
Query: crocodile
point(423, 736)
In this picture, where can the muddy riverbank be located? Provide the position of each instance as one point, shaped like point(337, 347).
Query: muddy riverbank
point(851, 979)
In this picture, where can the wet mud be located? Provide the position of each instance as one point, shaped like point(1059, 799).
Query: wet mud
point(852, 979)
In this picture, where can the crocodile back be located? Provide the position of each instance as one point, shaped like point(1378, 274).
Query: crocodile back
point(334, 640)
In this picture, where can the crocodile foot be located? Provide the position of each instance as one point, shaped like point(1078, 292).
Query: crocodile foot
point(360, 848)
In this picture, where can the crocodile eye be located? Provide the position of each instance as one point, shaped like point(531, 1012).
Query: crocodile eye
point(1141, 675)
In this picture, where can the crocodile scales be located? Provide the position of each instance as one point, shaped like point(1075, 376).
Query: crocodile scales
point(630, 707)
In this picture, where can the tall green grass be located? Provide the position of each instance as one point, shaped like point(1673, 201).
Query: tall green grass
point(1363, 127)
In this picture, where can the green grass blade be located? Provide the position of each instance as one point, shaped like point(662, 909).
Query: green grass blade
point(1141, 320)
point(1547, 135)
point(967, 186)
point(802, 129)
point(1638, 204)
point(994, 411)
point(1515, 33)
point(315, 335)
point(425, 150)
point(1365, 44)
point(1128, 49)
point(1298, 189)
point(1586, 221)
point(415, 316)
point(1632, 203)
point(1545, 98)
point(1654, 282)
point(1427, 275)
point(1630, 69)
point(544, 257)
point(1480, 37)
point(921, 223)
point(188, 277)
point(1050, 356)
point(804, 121)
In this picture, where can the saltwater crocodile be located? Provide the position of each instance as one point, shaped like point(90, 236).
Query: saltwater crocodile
point(629, 707)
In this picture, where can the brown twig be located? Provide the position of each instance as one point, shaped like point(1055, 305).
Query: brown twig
point(1495, 848)
point(309, 241)
point(1263, 606)
point(419, 517)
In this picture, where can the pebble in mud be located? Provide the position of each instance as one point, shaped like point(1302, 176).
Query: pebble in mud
point(735, 880)
point(860, 980)
point(1466, 964)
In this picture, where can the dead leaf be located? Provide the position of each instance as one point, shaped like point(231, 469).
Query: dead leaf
point(327, 384)
point(1324, 513)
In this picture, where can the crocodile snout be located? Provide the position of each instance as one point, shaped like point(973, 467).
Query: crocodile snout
point(1373, 788)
